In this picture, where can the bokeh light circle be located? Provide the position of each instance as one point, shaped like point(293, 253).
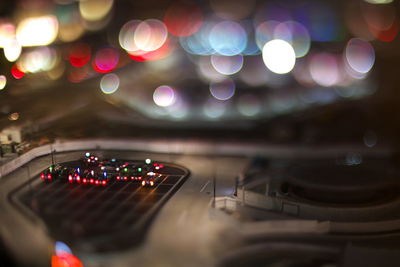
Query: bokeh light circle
point(265, 32)
point(12, 51)
point(227, 65)
point(228, 38)
point(198, 43)
point(106, 60)
point(295, 34)
point(79, 54)
point(61, 248)
point(39, 59)
point(16, 72)
point(150, 35)
point(164, 96)
point(109, 83)
point(206, 71)
point(360, 55)
point(279, 56)
point(93, 10)
point(3, 82)
point(127, 35)
point(324, 69)
point(223, 90)
point(37, 31)
point(183, 19)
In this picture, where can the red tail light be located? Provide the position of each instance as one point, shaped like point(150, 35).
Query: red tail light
point(42, 176)
point(91, 181)
point(84, 180)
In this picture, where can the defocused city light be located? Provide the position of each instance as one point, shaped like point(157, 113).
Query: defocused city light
point(3, 82)
point(37, 31)
point(252, 48)
point(295, 34)
point(127, 35)
point(150, 35)
point(37, 60)
point(227, 65)
point(265, 32)
point(198, 43)
point(301, 73)
point(210, 42)
point(183, 18)
point(16, 72)
point(93, 10)
point(279, 56)
point(79, 54)
point(109, 83)
point(7, 33)
point(145, 40)
point(324, 69)
point(382, 21)
point(61, 248)
point(360, 55)
point(223, 90)
point(70, 25)
point(387, 35)
point(228, 38)
point(206, 70)
point(164, 96)
point(106, 60)
point(12, 50)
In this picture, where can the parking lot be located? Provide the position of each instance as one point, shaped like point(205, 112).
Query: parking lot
point(95, 215)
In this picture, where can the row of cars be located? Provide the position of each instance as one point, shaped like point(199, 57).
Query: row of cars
point(93, 170)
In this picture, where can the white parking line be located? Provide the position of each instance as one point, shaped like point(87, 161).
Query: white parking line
point(204, 186)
